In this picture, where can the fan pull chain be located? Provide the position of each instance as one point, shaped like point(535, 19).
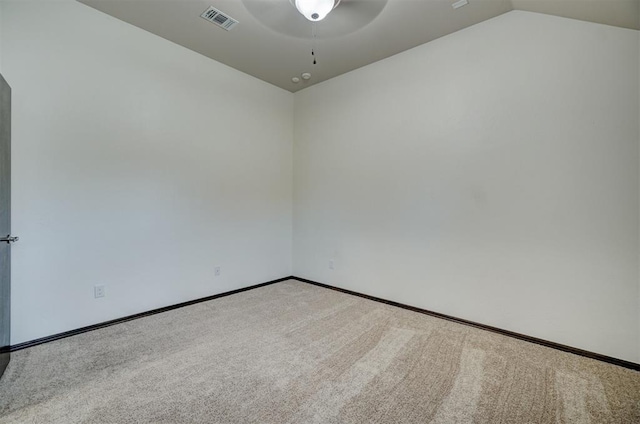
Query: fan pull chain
point(313, 42)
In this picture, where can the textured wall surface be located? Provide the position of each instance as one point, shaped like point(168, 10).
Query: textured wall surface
point(138, 165)
point(491, 175)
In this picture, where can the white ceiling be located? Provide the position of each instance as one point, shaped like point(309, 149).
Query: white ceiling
point(273, 42)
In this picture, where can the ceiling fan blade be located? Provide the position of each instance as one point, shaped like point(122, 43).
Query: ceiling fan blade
point(278, 15)
point(350, 16)
point(281, 16)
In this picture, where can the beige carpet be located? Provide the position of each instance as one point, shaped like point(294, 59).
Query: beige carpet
point(296, 353)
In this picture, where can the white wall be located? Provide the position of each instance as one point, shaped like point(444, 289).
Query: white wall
point(1, 37)
point(139, 165)
point(491, 175)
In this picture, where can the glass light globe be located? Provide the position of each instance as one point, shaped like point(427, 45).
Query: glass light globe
point(315, 10)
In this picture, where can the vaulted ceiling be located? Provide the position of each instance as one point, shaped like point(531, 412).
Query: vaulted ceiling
point(273, 42)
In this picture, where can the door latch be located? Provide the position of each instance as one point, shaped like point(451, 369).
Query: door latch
point(9, 239)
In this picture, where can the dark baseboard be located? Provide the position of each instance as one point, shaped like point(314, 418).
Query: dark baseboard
point(553, 345)
point(70, 333)
point(5, 356)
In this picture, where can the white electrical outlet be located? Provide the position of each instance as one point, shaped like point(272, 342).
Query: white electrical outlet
point(331, 264)
point(98, 291)
point(216, 271)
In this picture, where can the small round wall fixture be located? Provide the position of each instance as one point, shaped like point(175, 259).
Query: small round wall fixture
point(295, 80)
point(335, 18)
point(306, 76)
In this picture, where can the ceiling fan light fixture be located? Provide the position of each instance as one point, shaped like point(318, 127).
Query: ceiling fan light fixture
point(315, 10)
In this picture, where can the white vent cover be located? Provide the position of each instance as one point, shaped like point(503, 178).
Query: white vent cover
point(215, 16)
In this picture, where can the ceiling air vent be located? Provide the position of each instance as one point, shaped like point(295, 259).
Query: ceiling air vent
point(215, 16)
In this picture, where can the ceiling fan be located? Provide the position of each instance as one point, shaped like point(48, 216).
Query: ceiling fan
point(332, 18)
